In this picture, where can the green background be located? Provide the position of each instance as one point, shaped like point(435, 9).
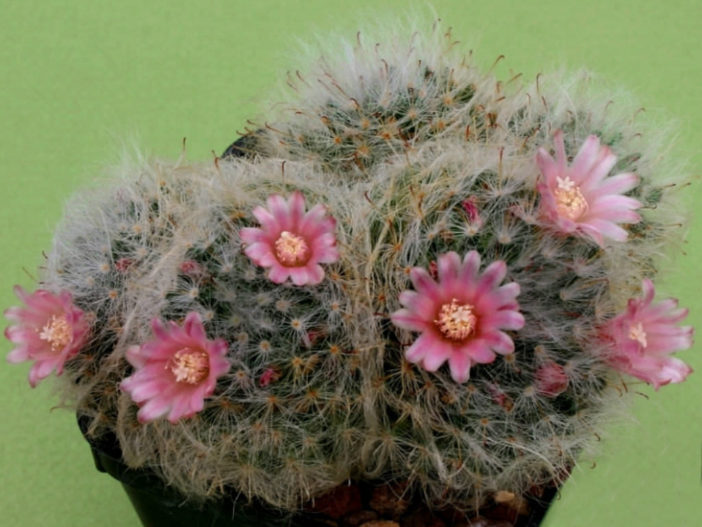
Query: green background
point(79, 80)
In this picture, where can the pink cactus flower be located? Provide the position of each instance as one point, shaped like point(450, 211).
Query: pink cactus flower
point(176, 370)
point(499, 396)
point(461, 316)
point(49, 330)
point(192, 268)
point(268, 376)
point(123, 264)
point(580, 198)
point(470, 207)
point(643, 337)
point(551, 379)
point(290, 242)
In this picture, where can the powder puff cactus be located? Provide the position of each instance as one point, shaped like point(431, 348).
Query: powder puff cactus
point(176, 370)
point(360, 338)
point(461, 316)
point(642, 338)
point(49, 330)
point(581, 198)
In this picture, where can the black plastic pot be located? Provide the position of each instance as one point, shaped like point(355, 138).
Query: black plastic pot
point(158, 505)
point(245, 146)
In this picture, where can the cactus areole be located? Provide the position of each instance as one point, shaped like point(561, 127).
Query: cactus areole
point(414, 290)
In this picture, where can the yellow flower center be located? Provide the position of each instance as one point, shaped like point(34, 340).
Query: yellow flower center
point(570, 202)
point(637, 333)
point(291, 250)
point(57, 332)
point(456, 321)
point(190, 366)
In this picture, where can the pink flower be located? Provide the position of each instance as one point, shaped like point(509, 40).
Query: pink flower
point(176, 370)
point(460, 316)
point(290, 242)
point(551, 379)
point(268, 376)
point(49, 330)
point(123, 264)
point(581, 198)
point(471, 209)
point(499, 396)
point(192, 268)
point(643, 337)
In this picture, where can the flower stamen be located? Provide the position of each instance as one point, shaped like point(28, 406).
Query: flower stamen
point(57, 332)
point(190, 366)
point(456, 321)
point(291, 250)
point(570, 201)
point(637, 333)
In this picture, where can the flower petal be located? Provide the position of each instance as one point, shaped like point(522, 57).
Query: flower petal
point(280, 210)
point(299, 275)
point(585, 159)
point(673, 371)
point(315, 274)
point(40, 370)
point(618, 184)
point(503, 319)
point(612, 207)
point(479, 351)
point(419, 349)
point(271, 225)
point(493, 275)
point(180, 409)
point(296, 209)
point(599, 171)
point(460, 364)
point(438, 353)
point(313, 223)
point(279, 274)
point(422, 281)
point(193, 326)
point(596, 228)
point(423, 306)
point(448, 266)
point(407, 319)
point(560, 148)
point(548, 167)
point(500, 342)
point(153, 409)
point(261, 254)
point(19, 354)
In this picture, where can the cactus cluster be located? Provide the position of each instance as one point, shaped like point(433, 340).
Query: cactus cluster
point(416, 154)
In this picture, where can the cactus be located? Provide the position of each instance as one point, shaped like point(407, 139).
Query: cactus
point(285, 420)
point(424, 167)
